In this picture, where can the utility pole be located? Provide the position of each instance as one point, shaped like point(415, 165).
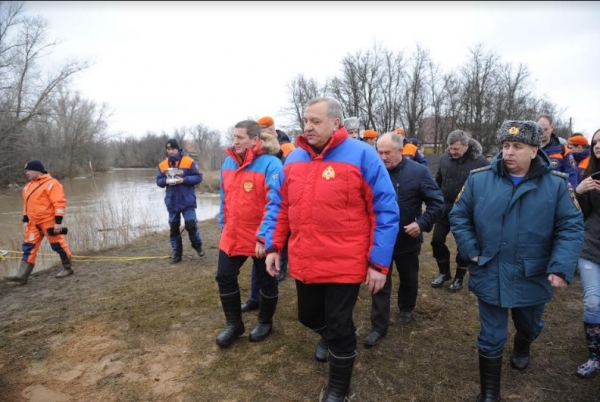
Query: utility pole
point(570, 126)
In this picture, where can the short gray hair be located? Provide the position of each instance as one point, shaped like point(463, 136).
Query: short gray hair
point(396, 139)
point(458, 135)
point(334, 107)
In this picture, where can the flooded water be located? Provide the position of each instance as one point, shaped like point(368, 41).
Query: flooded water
point(107, 210)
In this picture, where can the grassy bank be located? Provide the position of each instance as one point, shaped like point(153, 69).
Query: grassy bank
point(131, 327)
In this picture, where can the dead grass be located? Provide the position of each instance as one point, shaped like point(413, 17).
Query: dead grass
point(145, 331)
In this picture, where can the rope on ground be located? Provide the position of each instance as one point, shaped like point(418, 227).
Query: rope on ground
point(4, 255)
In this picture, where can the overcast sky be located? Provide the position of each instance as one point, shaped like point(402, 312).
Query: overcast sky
point(165, 65)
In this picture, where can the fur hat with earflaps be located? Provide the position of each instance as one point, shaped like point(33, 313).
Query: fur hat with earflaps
point(524, 131)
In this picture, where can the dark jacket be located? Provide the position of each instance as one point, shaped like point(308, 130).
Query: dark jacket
point(590, 206)
point(453, 173)
point(521, 233)
point(414, 186)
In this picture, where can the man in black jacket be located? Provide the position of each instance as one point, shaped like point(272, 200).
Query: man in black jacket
point(414, 186)
point(464, 154)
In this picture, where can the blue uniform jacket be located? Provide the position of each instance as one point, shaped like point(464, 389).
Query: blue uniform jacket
point(180, 197)
point(521, 234)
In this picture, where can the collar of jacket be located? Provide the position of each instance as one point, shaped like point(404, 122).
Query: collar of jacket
point(250, 155)
point(336, 139)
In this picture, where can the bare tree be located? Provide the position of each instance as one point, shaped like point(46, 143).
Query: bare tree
point(416, 96)
point(27, 88)
point(300, 91)
point(208, 144)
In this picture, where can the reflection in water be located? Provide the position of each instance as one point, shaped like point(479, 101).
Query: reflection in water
point(108, 210)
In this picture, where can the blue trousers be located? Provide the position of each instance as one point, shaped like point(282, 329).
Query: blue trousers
point(191, 225)
point(590, 282)
point(494, 325)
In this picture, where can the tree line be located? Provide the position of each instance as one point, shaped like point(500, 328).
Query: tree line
point(388, 89)
point(42, 116)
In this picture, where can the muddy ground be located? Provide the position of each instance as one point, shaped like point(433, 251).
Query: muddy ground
point(131, 327)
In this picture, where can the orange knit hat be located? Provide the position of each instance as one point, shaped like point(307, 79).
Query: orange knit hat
point(265, 121)
point(578, 140)
point(370, 134)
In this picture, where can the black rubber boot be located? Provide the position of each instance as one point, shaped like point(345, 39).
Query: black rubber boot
point(199, 249)
point(490, 372)
point(178, 252)
point(265, 318)
point(340, 375)
point(176, 243)
point(23, 275)
point(233, 316)
point(322, 351)
point(192, 228)
point(519, 358)
point(457, 283)
point(444, 267)
point(66, 270)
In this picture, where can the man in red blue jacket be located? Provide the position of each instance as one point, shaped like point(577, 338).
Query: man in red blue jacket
point(248, 176)
point(336, 199)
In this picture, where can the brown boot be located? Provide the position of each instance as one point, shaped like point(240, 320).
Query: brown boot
point(23, 275)
point(66, 269)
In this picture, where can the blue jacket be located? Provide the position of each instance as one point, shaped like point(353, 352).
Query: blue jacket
point(180, 197)
point(561, 160)
point(521, 234)
point(579, 157)
point(414, 186)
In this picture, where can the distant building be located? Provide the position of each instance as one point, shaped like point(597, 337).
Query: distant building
point(426, 134)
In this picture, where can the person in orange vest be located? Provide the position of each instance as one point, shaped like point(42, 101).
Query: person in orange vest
point(44, 205)
point(370, 137)
point(561, 159)
point(411, 149)
point(178, 174)
point(267, 124)
point(580, 149)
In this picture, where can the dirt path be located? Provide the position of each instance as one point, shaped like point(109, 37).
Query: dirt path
point(144, 330)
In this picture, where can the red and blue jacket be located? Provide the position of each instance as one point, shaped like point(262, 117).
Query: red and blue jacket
point(246, 185)
point(340, 209)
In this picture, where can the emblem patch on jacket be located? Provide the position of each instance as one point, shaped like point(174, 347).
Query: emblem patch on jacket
point(328, 173)
point(575, 202)
point(248, 186)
